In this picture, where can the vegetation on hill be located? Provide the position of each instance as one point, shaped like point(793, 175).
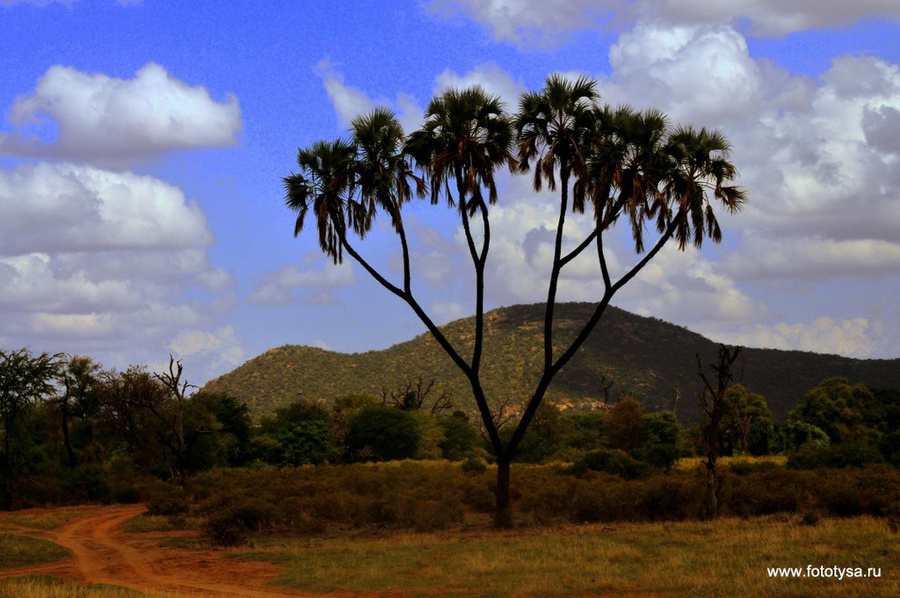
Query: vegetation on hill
point(646, 358)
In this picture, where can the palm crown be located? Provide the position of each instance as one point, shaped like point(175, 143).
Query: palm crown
point(466, 136)
point(344, 182)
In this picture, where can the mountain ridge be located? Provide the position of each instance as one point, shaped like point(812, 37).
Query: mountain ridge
point(645, 357)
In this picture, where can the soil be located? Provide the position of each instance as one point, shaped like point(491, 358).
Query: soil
point(103, 553)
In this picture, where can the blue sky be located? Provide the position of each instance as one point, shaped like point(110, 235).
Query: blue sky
point(142, 146)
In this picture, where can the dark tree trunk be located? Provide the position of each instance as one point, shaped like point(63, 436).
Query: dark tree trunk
point(503, 515)
point(67, 443)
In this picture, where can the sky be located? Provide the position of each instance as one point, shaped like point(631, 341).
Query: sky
point(143, 143)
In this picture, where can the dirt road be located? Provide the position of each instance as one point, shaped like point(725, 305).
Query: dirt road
point(103, 553)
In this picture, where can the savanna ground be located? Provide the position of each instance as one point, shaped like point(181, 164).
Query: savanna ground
point(115, 551)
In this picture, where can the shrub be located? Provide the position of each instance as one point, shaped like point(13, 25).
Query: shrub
point(168, 502)
point(87, 482)
point(128, 495)
point(845, 454)
point(614, 462)
point(229, 523)
point(474, 465)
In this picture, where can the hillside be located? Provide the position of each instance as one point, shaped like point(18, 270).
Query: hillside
point(645, 357)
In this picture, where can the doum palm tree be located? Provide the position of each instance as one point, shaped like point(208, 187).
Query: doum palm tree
point(620, 163)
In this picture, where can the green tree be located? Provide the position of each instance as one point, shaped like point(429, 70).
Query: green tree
point(25, 381)
point(79, 399)
point(217, 428)
point(749, 425)
point(844, 411)
point(382, 434)
point(621, 163)
point(127, 427)
point(623, 426)
point(461, 439)
point(309, 442)
point(662, 439)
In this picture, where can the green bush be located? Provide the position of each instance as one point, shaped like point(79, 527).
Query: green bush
point(474, 465)
point(168, 501)
point(382, 434)
point(87, 483)
point(837, 456)
point(614, 462)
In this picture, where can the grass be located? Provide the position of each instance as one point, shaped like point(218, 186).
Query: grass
point(728, 557)
point(693, 463)
point(160, 523)
point(23, 551)
point(41, 521)
point(50, 587)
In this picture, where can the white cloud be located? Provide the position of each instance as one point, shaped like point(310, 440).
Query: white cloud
point(276, 287)
point(100, 262)
point(68, 208)
point(854, 337)
point(543, 22)
point(528, 22)
point(102, 119)
point(490, 77)
point(349, 102)
point(694, 73)
point(812, 259)
point(221, 346)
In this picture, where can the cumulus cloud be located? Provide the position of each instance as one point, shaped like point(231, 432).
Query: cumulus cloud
point(64, 208)
point(221, 346)
point(543, 22)
point(766, 258)
point(100, 119)
point(489, 77)
point(695, 73)
point(529, 22)
point(101, 262)
point(277, 287)
point(855, 337)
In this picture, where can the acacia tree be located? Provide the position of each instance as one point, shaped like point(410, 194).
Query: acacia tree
point(25, 380)
point(80, 397)
point(623, 164)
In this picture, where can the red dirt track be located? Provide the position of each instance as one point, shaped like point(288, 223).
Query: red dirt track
point(103, 553)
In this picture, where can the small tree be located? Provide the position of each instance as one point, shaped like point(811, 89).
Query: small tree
point(621, 165)
point(382, 434)
point(712, 400)
point(25, 380)
point(80, 397)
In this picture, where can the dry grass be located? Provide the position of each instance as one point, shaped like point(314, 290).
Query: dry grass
point(729, 557)
point(49, 587)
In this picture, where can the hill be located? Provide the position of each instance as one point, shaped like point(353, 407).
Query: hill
point(647, 358)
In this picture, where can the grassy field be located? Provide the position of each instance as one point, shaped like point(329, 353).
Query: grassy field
point(726, 558)
point(23, 551)
point(49, 587)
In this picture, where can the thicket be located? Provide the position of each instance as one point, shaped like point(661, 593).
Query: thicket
point(430, 496)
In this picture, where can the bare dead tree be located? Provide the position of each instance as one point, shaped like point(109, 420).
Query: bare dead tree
point(605, 386)
point(413, 395)
point(712, 398)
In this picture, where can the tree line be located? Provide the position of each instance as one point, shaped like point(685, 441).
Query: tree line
point(73, 431)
